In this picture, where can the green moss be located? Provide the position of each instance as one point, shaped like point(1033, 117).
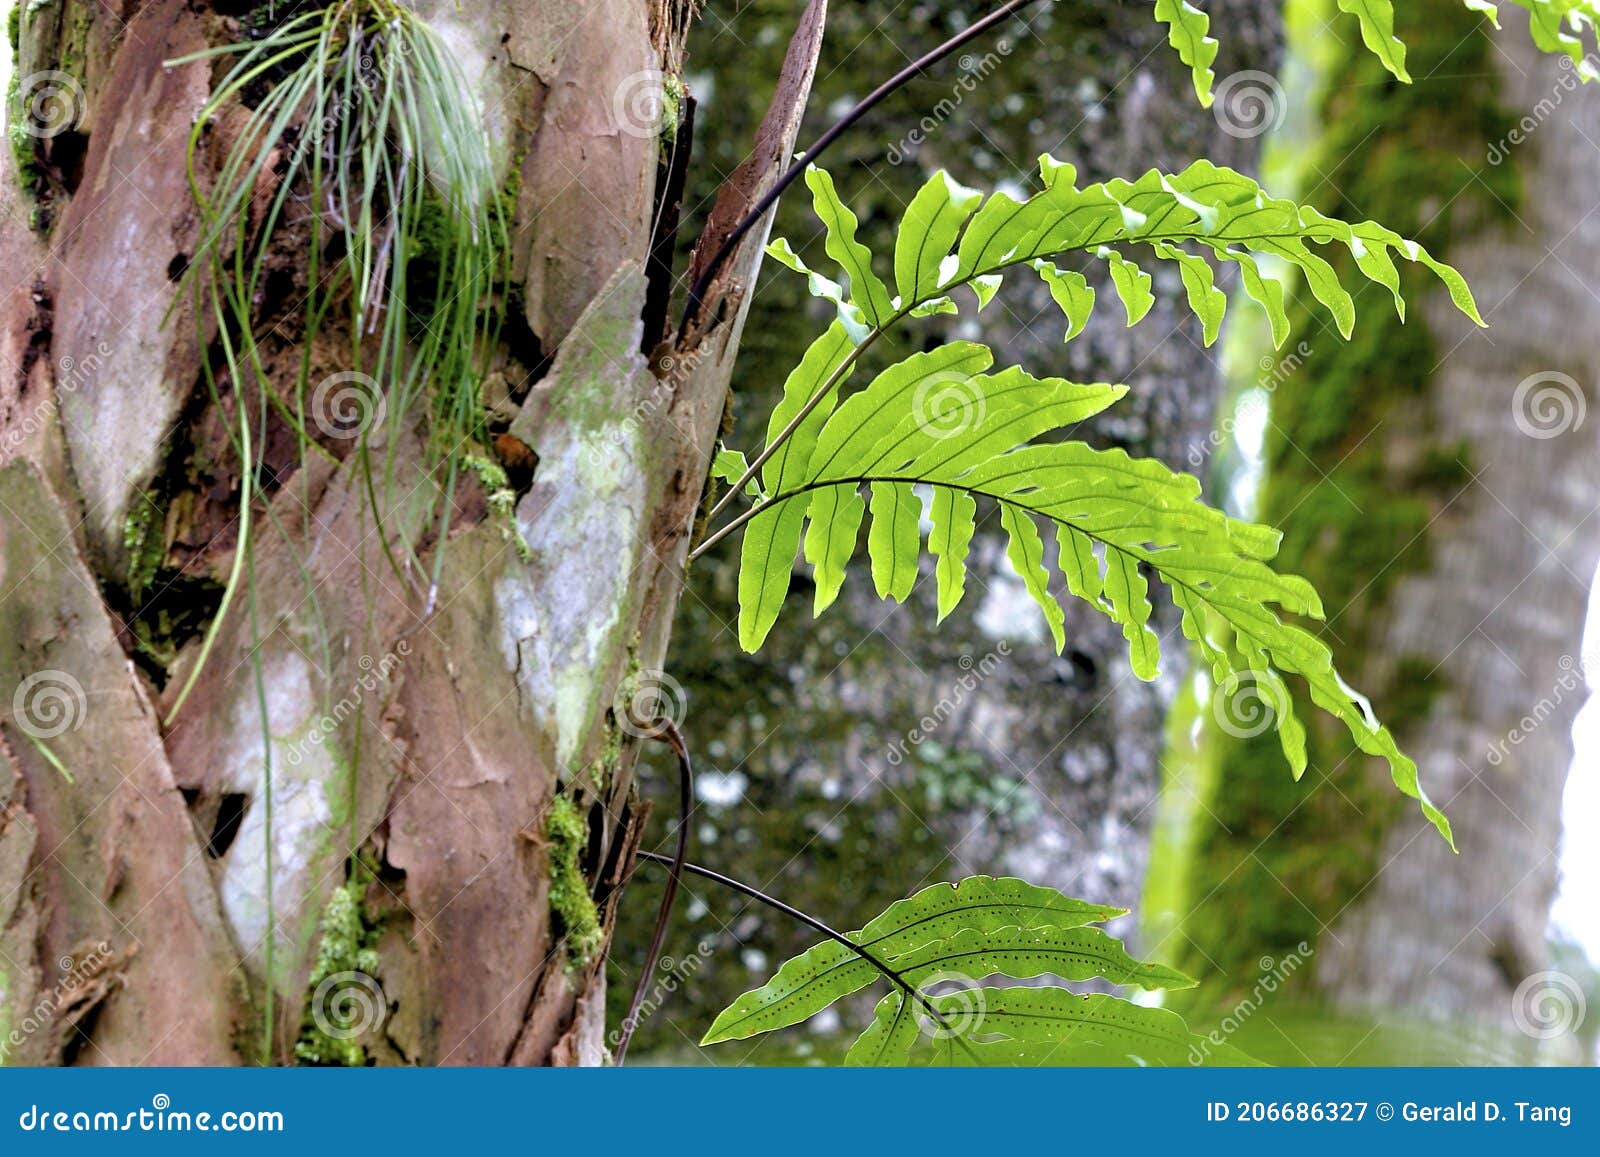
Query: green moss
point(142, 536)
point(672, 94)
point(1282, 857)
point(501, 499)
point(577, 918)
point(348, 946)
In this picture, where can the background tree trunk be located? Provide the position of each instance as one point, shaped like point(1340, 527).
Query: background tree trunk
point(1438, 484)
point(163, 897)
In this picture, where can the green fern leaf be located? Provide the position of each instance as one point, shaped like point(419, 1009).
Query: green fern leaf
point(853, 257)
point(932, 221)
point(1071, 953)
point(1207, 301)
point(1205, 206)
point(953, 526)
point(941, 421)
point(1377, 33)
point(1131, 282)
point(1071, 292)
point(894, 541)
point(1036, 1027)
point(1557, 26)
point(888, 1040)
point(810, 982)
point(1186, 31)
point(959, 934)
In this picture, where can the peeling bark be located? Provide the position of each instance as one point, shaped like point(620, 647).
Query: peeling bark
point(428, 744)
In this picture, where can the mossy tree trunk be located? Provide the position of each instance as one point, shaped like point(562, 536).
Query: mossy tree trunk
point(450, 808)
point(1439, 486)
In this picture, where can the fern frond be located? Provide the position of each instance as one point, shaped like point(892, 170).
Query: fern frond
point(1032, 1028)
point(1557, 26)
point(955, 936)
point(982, 925)
point(1187, 28)
point(940, 432)
point(1204, 210)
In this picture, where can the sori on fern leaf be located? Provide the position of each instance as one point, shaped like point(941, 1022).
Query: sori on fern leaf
point(361, 146)
point(941, 431)
point(939, 945)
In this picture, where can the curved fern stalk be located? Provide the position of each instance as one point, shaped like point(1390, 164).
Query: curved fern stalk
point(960, 934)
point(1557, 26)
point(941, 426)
point(367, 126)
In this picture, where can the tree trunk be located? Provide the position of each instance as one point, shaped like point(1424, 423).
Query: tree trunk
point(465, 776)
point(1438, 484)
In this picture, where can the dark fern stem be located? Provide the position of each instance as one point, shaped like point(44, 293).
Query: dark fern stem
point(907, 74)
